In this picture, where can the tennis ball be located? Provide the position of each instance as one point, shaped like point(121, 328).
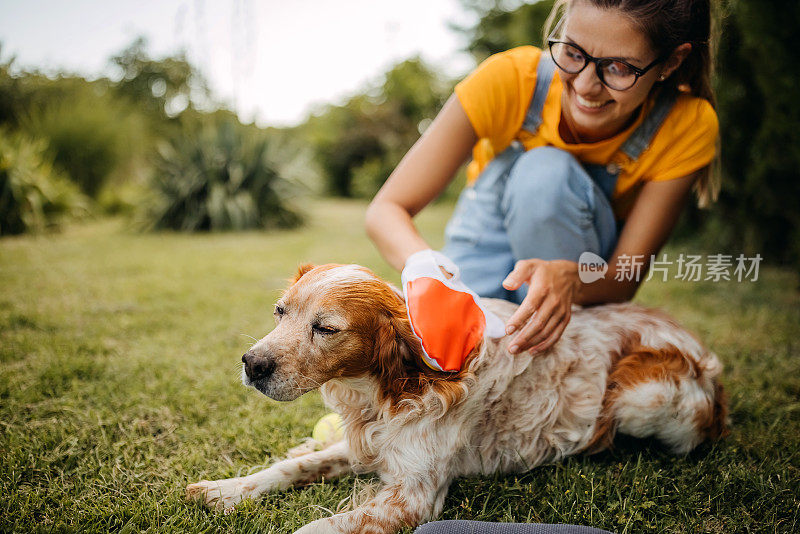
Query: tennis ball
point(329, 429)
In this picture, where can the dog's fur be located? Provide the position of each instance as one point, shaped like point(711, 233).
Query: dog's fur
point(616, 368)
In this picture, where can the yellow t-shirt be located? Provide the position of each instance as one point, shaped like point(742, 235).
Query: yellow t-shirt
point(496, 97)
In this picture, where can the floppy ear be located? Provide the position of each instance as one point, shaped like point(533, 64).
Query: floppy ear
point(394, 351)
point(402, 375)
point(303, 269)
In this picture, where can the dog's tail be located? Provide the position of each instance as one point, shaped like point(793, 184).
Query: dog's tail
point(663, 393)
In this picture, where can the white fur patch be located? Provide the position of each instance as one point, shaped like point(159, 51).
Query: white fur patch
point(346, 274)
point(336, 276)
point(664, 410)
point(316, 283)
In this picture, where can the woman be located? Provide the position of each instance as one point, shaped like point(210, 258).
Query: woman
point(591, 145)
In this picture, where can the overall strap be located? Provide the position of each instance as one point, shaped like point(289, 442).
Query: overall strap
point(641, 137)
point(544, 75)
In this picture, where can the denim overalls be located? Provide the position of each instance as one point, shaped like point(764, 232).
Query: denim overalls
point(542, 203)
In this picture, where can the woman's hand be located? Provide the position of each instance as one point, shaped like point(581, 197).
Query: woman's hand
point(545, 312)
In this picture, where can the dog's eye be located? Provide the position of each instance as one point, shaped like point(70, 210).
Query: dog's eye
point(279, 310)
point(324, 330)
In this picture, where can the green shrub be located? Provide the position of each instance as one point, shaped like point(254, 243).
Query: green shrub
point(358, 144)
point(220, 177)
point(757, 86)
point(91, 135)
point(33, 196)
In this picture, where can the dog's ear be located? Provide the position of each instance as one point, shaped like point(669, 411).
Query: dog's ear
point(402, 375)
point(303, 269)
point(394, 353)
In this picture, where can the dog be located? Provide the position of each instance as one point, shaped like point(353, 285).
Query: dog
point(616, 368)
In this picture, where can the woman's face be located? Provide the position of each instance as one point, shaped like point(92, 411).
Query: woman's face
point(594, 111)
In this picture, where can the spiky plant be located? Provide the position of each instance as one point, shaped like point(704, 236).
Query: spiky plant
point(33, 196)
point(220, 177)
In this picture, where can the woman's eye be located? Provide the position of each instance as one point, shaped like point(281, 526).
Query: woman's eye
point(324, 330)
point(574, 55)
point(618, 69)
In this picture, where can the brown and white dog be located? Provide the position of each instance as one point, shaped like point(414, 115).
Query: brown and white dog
point(616, 368)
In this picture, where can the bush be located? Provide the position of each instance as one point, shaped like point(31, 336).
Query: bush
point(358, 144)
point(220, 177)
point(33, 196)
point(91, 135)
point(756, 85)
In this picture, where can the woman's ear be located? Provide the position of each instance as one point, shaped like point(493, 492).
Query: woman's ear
point(674, 60)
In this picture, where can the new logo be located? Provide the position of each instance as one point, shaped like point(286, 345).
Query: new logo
point(591, 267)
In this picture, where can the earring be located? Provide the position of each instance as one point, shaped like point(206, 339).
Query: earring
point(662, 78)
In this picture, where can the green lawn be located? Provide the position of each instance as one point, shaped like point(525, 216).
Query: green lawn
point(120, 383)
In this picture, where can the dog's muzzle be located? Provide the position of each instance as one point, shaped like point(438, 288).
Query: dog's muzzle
point(256, 367)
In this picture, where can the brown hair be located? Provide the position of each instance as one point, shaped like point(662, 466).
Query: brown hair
point(668, 24)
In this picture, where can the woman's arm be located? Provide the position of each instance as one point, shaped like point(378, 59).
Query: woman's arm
point(555, 285)
point(649, 224)
point(422, 174)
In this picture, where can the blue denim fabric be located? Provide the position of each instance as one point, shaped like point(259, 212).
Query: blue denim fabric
point(537, 204)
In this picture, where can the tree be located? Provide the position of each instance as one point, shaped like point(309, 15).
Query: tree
point(503, 25)
point(163, 88)
point(757, 86)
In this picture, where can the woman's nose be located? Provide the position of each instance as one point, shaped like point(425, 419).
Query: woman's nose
point(586, 81)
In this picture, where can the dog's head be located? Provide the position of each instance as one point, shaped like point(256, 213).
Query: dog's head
point(339, 321)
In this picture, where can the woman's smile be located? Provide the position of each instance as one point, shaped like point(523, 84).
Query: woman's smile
point(591, 105)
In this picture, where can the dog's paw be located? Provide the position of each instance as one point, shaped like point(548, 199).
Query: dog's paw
point(220, 495)
point(320, 526)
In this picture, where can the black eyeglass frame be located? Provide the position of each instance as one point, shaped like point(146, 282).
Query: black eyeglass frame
point(598, 69)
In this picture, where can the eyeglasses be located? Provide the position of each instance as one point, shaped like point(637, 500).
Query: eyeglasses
point(613, 73)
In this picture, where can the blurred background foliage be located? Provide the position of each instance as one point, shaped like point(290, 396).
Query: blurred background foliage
point(151, 141)
point(358, 144)
point(33, 195)
point(217, 174)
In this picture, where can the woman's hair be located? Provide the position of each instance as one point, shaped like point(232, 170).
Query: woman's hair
point(668, 24)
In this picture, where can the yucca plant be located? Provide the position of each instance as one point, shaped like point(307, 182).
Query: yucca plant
point(220, 177)
point(33, 196)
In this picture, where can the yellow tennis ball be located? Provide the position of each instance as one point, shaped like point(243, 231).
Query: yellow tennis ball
point(329, 429)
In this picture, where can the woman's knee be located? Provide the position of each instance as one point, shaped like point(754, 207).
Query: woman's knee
point(544, 182)
point(546, 157)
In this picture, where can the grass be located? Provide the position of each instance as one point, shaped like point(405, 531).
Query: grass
point(119, 384)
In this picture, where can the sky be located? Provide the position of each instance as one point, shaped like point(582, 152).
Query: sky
point(273, 61)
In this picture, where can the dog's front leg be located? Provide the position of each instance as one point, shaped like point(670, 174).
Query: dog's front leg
point(225, 494)
point(406, 502)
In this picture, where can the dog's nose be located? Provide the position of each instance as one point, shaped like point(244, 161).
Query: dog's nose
point(257, 367)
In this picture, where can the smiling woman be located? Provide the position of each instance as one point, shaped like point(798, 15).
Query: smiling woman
point(590, 146)
point(595, 111)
